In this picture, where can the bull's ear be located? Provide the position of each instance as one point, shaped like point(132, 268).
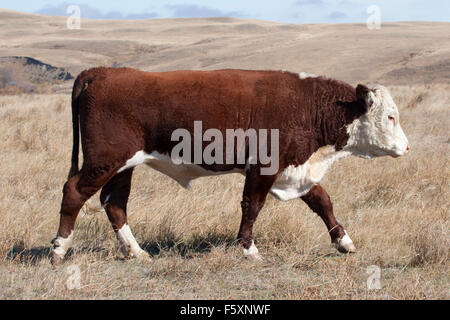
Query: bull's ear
point(365, 95)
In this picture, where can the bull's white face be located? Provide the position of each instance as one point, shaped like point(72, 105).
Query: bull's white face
point(378, 132)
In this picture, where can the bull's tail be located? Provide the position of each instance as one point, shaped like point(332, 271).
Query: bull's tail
point(79, 86)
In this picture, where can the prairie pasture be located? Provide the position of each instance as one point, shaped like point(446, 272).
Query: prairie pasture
point(395, 210)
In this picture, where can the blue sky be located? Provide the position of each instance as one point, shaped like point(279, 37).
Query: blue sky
point(294, 11)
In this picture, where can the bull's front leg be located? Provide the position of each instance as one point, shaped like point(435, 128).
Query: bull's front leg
point(255, 192)
point(319, 202)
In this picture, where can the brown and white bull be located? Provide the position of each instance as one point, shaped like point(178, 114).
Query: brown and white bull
point(127, 117)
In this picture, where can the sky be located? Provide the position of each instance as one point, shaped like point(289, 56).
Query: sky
point(292, 11)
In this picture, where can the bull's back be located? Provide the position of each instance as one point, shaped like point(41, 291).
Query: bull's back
point(222, 98)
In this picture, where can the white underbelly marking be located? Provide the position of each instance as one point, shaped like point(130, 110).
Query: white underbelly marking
point(296, 181)
point(182, 173)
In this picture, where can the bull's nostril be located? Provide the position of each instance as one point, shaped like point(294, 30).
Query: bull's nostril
point(407, 148)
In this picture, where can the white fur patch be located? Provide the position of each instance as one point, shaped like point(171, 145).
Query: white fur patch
point(304, 75)
point(296, 181)
point(346, 243)
point(346, 240)
point(252, 252)
point(129, 245)
point(61, 245)
point(182, 173)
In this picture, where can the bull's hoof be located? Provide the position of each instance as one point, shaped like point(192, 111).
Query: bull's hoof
point(142, 256)
point(345, 244)
point(57, 254)
point(252, 253)
point(56, 259)
point(253, 257)
point(59, 250)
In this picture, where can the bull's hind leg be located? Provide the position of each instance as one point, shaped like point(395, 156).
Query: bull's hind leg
point(70, 206)
point(77, 190)
point(255, 193)
point(319, 201)
point(114, 198)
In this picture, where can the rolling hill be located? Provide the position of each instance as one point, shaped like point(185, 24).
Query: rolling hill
point(398, 53)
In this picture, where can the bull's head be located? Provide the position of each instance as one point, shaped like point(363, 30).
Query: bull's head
point(377, 132)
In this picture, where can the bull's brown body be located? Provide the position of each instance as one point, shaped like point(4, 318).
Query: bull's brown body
point(125, 110)
point(122, 111)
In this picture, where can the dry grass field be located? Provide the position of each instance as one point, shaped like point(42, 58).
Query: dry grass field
point(395, 210)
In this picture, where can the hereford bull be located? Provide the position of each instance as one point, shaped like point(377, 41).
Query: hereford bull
point(127, 117)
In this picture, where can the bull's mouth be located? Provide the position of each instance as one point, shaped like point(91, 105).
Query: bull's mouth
point(394, 152)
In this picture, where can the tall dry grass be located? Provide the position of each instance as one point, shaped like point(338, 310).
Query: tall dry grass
point(395, 210)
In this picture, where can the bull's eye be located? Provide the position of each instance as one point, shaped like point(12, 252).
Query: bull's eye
point(392, 118)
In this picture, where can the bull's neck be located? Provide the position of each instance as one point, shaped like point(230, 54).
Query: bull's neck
point(331, 123)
